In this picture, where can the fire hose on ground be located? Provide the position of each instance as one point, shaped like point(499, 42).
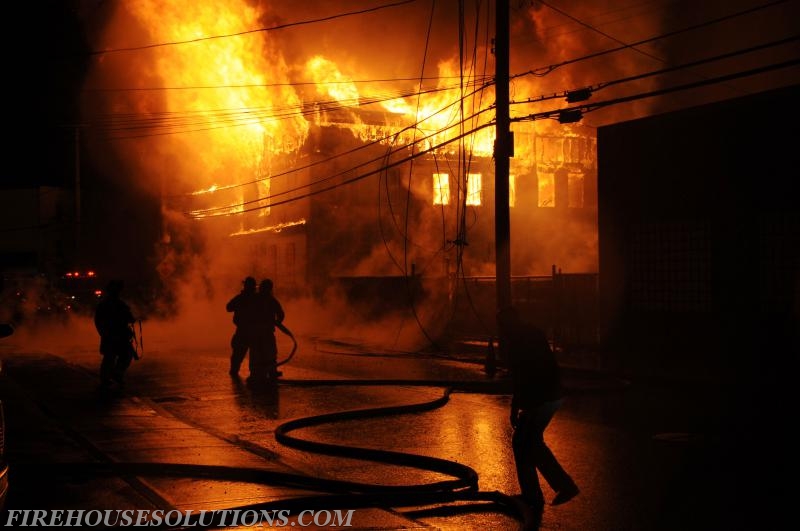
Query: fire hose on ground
point(285, 330)
point(464, 486)
point(448, 496)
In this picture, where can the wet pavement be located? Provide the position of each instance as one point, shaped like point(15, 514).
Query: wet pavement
point(184, 435)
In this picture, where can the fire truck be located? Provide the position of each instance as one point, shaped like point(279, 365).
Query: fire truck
point(81, 289)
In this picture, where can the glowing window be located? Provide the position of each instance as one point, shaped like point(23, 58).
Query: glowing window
point(547, 188)
point(441, 189)
point(473, 188)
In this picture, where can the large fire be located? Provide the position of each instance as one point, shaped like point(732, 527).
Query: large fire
point(247, 104)
point(215, 106)
point(228, 99)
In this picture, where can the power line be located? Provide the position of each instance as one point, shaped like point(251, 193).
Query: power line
point(599, 86)
point(257, 30)
point(194, 121)
point(577, 110)
point(544, 70)
point(646, 54)
point(601, 32)
point(225, 210)
point(321, 104)
point(272, 85)
point(359, 148)
point(415, 126)
point(358, 177)
point(595, 17)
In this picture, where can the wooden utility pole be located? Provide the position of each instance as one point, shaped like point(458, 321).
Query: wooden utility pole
point(77, 251)
point(503, 150)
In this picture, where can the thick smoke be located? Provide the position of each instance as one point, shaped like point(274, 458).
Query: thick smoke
point(179, 151)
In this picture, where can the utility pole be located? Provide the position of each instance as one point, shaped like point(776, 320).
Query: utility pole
point(77, 251)
point(503, 150)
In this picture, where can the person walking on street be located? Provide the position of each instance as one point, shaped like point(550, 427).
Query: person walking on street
point(271, 315)
point(537, 395)
point(114, 321)
point(245, 307)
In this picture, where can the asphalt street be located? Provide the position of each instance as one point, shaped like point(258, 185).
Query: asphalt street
point(182, 434)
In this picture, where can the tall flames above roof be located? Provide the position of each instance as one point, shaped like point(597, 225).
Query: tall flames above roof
point(210, 91)
point(209, 98)
point(227, 105)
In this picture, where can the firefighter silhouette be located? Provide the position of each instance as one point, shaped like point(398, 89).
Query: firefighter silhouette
point(265, 356)
point(245, 307)
point(537, 395)
point(114, 323)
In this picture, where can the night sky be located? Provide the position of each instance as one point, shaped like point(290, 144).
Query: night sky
point(45, 60)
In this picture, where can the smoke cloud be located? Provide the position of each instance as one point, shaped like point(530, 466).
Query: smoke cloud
point(174, 120)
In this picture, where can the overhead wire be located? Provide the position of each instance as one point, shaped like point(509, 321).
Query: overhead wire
point(268, 85)
point(377, 97)
point(404, 232)
point(589, 107)
point(626, 46)
point(599, 31)
point(461, 237)
point(551, 112)
point(544, 70)
point(257, 30)
point(367, 145)
point(608, 36)
point(418, 104)
point(598, 86)
point(463, 172)
point(595, 18)
point(356, 178)
point(248, 118)
point(465, 155)
point(370, 161)
point(179, 122)
point(530, 117)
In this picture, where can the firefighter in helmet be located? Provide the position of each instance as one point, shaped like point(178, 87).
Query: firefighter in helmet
point(245, 307)
point(114, 320)
point(271, 314)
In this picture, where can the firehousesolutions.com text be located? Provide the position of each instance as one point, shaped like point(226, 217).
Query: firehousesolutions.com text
point(159, 517)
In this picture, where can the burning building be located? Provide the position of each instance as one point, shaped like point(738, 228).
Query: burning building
point(274, 156)
point(395, 225)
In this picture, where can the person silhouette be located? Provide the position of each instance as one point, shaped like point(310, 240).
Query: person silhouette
point(537, 395)
point(245, 307)
point(114, 320)
point(271, 314)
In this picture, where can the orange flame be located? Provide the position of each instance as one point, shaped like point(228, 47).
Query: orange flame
point(331, 81)
point(438, 115)
point(238, 112)
point(243, 111)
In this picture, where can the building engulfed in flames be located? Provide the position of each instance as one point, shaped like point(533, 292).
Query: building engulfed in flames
point(270, 161)
point(427, 222)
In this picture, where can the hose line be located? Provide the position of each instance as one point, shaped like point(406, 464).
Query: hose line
point(448, 496)
point(459, 494)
